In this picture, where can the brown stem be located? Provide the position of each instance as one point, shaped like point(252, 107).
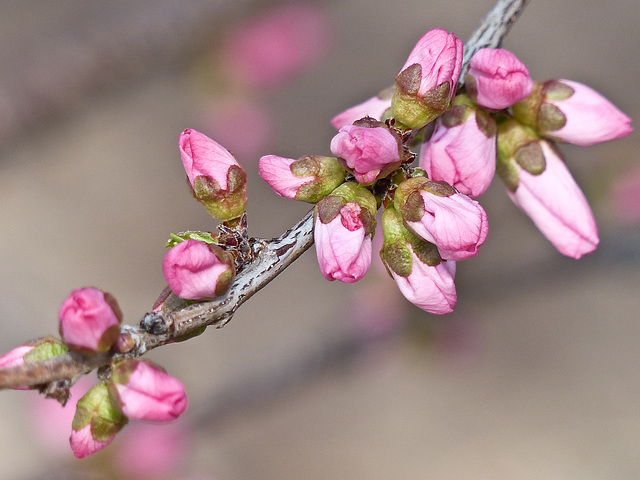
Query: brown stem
point(158, 329)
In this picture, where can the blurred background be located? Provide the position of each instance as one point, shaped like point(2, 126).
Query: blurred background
point(535, 375)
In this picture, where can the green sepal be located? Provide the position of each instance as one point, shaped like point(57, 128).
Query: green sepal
point(399, 243)
point(44, 349)
point(206, 237)
point(97, 409)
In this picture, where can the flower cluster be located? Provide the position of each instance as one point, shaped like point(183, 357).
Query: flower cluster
point(501, 122)
point(136, 389)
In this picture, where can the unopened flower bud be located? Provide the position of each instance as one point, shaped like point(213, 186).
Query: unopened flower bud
point(90, 320)
point(368, 149)
point(571, 112)
point(421, 275)
point(344, 225)
point(217, 180)
point(195, 270)
point(462, 149)
point(376, 107)
point(309, 178)
point(497, 79)
point(145, 391)
point(540, 184)
point(438, 213)
point(34, 351)
point(96, 422)
point(427, 82)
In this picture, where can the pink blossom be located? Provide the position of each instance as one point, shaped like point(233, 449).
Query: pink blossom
point(217, 180)
point(95, 423)
point(202, 156)
point(84, 444)
point(146, 392)
point(437, 213)
point(309, 178)
point(15, 357)
point(497, 79)
point(428, 80)
point(278, 44)
point(90, 320)
point(590, 117)
point(462, 154)
point(429, 287)
point(556, 205)
point(276, 171)
point(195, 270)
point(342, 245)
point(439, 55)
point(370, 153)
point(375, 107)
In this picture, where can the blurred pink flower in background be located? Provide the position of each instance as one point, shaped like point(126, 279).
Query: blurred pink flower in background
point(272, 47)
point(51, 421)
point(147, 450)
point(377, 310)
point(243, 125)
point(625, 196)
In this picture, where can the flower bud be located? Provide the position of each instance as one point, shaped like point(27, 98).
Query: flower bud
point(540, 184)
point(376, 107)
point(428, 80)
point(309, 178)
point(497, 79)
point(421, 275)
point(571, 112)
point(437, 213)
point(145, 391)
point(34, 351)
point(90, 320)
point(344, 225)
point(217, 180)
point(195, 270)
point(96, 422)
point(462, 149)
point(368, 149)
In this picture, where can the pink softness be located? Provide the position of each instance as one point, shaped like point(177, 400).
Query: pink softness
point(557, 206)
point(366, 151)
point(222, 117)
point(342, 245)
point(283, 41)
point(14, 358)
point(202, 156)
point(152, 395)
point(149, 450)
point(456, 224)
point(462, 155)
point(276, 171)
point(88, 321)
point(192, 270)
point(83, 444)
point(500, 78)
point(439, 55)
point(590, 117)
point(429, 287)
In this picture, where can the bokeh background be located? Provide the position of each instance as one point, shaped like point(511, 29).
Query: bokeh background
point(535, 375)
